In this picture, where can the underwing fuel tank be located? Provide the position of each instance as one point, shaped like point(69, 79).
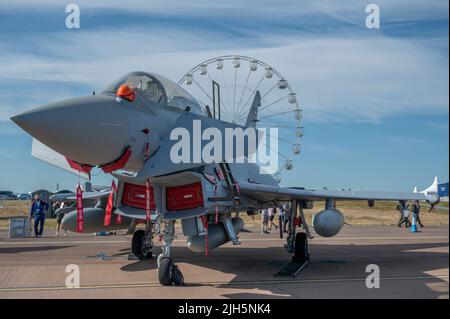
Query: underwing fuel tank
point(328, 223)
point(94, 221)
point(217, 236)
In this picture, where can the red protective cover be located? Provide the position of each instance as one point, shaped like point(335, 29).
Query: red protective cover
point(184, 197)
point(118, 164)
point(134, 196)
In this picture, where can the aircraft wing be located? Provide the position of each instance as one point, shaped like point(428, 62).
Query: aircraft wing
point(267, 193)
point(46, 154)
point(71, 197)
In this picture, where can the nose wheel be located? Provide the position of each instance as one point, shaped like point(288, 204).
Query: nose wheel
point(165, 265)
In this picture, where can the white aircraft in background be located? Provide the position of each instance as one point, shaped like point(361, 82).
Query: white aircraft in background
point(430, 191)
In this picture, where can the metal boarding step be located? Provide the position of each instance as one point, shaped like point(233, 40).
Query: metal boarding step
point(291, 269)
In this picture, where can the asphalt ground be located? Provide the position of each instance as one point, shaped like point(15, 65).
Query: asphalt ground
point(411, 265)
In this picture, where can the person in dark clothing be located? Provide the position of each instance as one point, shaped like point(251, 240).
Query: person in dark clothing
point(404, 214)
point(416, 212)
point(285, 211)
point(272, 213)
point(37, 211)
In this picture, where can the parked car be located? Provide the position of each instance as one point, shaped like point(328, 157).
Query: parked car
point(23, 196)
point(8, 195)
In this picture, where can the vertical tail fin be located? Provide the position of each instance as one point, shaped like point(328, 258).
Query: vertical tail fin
point(252, 117)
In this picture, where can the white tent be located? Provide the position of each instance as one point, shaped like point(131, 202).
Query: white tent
point(433, 188)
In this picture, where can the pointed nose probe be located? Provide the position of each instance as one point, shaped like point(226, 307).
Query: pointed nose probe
point(90, 130)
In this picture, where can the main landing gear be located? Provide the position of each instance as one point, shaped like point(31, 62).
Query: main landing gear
point(296, 243)
point(142, 242)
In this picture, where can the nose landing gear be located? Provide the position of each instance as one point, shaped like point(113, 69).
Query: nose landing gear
point(168, 271)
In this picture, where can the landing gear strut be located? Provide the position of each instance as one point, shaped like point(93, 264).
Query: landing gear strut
point(168, 272)
point(296, 243)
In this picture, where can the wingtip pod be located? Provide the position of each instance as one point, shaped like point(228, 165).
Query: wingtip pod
point(328, 223)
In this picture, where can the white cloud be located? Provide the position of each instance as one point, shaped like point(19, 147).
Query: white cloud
point(336, 78)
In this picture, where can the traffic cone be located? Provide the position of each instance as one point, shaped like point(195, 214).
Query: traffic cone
point(414, 225)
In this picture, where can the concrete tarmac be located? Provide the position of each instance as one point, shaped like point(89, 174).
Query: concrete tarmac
point(412, 265)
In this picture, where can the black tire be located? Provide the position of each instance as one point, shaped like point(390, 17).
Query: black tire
point(137, 243)
point(165, 271)
point(301, 252)
point(177, 276)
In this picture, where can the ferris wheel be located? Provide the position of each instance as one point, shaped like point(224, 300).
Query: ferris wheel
point(237, 79)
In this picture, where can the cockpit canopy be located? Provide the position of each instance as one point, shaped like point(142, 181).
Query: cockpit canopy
point(157, 89)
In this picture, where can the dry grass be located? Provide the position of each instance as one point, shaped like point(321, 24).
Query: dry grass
point(14, 208)
point(17, 208)
point(355, 212)
point(358, 213)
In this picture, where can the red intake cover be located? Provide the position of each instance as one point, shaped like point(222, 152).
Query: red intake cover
point(134, 196)
point(184, 197)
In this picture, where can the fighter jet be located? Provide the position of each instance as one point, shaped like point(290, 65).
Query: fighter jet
point(127, 131)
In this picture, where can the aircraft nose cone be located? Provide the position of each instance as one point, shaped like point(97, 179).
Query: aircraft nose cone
point(90, 130)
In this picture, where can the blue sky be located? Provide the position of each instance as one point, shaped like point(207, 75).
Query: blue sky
point(375, 101)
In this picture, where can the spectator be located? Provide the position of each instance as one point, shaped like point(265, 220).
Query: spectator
point(60, 212)
point(264, 221)
point(404, 214)
point(285, 211)
point(281, 218)
point(37, 211)
point(272, 213)
point(416, 212)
